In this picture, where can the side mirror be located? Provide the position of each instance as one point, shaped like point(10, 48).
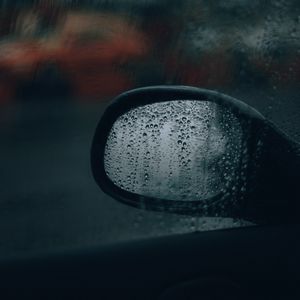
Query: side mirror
point(197, 152)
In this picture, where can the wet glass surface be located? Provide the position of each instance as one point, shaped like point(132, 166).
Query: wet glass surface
point(62, 61)
point(184, 150)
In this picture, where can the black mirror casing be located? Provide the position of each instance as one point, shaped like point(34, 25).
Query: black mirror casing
point(271, 173)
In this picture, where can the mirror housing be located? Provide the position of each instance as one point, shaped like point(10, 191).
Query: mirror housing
point(265, 190)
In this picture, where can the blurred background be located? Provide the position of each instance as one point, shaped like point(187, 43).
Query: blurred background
point(62, 61)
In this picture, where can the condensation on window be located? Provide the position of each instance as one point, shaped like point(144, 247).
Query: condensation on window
point(61, 62)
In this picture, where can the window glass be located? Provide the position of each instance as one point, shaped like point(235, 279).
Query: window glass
point(61, 62)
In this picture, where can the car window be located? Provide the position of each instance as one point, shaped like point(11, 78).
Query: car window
point(52, 97)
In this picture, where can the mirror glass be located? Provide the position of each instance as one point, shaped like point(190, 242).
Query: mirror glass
point(184, 150)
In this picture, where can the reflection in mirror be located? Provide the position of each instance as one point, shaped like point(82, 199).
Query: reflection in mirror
point(184, 150)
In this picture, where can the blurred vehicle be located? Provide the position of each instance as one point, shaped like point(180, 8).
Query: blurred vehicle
point(86, 53)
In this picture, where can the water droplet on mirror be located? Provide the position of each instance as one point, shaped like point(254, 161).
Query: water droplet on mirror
point(186, 167)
